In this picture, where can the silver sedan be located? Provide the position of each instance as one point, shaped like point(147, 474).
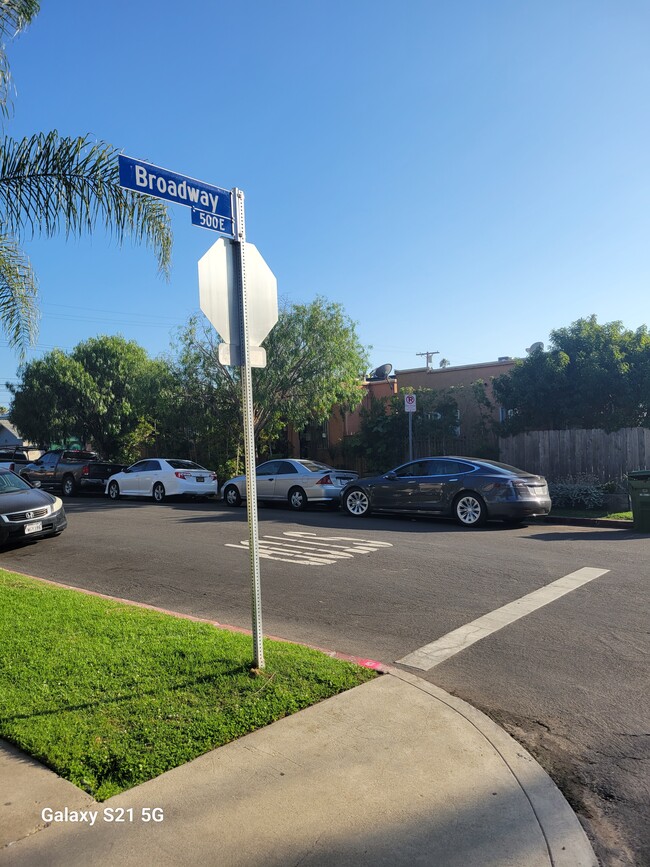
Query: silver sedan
point(296, 482)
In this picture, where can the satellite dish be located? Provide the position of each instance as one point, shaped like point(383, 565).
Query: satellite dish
point(381, 372)
point(534, 347)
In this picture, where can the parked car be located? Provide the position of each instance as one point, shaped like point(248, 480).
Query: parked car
point(26, 511)
point(163, 477)
point(15, 457)
point(296, 482)
point(471, 490)
point(70, 470)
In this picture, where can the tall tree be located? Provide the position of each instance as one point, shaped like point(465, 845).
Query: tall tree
point(50, 184)
point(593, 376)
point(104, 392)
point(314, 362)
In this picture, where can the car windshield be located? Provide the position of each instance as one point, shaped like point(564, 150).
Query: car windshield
point(10, 483)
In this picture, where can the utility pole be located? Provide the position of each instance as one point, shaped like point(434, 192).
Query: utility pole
point(429, 356)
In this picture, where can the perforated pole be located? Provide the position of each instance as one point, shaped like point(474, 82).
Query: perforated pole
point(249, 434)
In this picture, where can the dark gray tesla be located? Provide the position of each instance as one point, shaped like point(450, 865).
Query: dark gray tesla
point(26, 512)
point(470, 490)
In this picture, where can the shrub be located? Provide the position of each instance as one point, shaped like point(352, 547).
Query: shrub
point(577, 492)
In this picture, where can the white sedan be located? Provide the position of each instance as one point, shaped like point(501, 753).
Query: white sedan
point(163, 477)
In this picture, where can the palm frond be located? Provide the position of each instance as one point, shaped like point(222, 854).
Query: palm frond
point(18, 290)
point(15, 15)
point(51, 184)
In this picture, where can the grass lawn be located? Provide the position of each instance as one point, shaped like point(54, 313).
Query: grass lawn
point(110, 695)
point(593, 513)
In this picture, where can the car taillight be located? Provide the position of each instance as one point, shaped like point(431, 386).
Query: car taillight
point(326, 480)
point(520, 488)
point(180, 475)
point(213, 477)
point(85, 471)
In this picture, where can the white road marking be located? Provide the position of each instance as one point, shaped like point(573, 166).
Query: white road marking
point(308, 549)
point(433, 654)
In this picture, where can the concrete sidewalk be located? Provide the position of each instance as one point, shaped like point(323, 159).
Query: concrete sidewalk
point(394, 772)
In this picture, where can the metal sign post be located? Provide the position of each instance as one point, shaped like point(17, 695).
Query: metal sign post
point(224, 301)
point(249, 434)
point(410, 405)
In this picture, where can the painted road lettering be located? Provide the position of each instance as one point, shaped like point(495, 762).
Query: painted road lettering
point(308, 549)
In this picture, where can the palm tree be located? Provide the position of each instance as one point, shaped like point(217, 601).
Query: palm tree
point(51, 184)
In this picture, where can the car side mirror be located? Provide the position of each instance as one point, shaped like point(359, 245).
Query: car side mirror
point(391, 475)
point(36, 484)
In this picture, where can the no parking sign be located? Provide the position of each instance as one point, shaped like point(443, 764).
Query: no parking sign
point(409, 403)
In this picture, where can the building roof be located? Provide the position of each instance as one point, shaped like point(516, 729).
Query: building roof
point(505, 362)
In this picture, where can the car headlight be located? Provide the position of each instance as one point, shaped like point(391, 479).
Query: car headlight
point(57, 505)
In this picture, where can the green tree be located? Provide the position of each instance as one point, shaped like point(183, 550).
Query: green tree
point(382, 441)
point(314, 363)
point(593, 376)
point(45, 404)
point(50, 184)
point(105, 392)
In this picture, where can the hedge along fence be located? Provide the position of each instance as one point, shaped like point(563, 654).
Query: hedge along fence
point(557, 454)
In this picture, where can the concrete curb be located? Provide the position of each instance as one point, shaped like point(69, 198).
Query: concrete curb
point(585, 522)
point(566, 840)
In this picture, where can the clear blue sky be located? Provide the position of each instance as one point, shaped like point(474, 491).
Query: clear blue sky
point(462, 177)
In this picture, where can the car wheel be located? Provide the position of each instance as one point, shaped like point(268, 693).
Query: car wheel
point(297, 499)
point(470, 510)
point(68, 486)
point(231, 496)
point(158, 492)
point(357, 503)
point(114, 491)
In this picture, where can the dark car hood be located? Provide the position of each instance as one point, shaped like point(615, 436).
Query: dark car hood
point(20, 501)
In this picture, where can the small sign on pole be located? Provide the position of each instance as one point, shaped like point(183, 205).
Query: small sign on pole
point(410, 405)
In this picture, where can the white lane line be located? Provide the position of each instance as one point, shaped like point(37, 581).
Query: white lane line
point(433, 654)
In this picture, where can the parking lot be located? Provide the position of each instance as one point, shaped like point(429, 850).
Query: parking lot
point(567, 674)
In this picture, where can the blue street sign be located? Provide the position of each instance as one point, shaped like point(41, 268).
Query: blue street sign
point(143, 177)
point(212, 221)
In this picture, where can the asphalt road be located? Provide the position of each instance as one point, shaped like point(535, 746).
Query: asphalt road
point(569, 680)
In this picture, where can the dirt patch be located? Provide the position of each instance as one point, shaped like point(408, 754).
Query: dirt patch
point(607, 789)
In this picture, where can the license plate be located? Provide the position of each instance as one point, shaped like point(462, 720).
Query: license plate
point(200, 479)
point(36, 527)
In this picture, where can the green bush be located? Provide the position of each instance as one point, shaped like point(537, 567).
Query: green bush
point(582, 491)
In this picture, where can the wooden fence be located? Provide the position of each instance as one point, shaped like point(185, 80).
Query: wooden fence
point(559, 453)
